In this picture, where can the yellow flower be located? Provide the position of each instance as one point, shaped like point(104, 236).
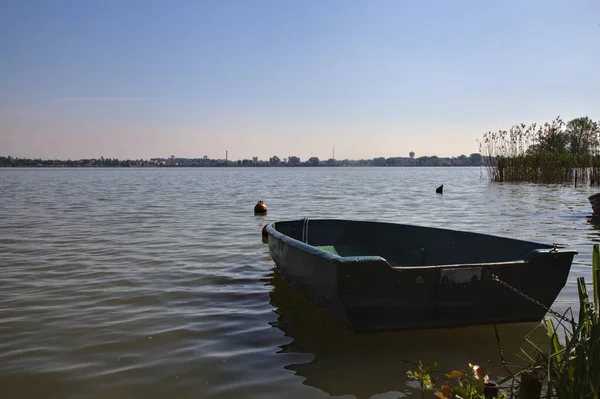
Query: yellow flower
point(444, 392)
point(455, 374)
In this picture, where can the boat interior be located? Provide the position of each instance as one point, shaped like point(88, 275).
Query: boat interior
point(405, 245)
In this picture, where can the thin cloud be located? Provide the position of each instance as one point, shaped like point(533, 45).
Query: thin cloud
point(110, 99)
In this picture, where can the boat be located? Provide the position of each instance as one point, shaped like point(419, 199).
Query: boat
point(594, 218)
point(595, 202)
point(376, 276)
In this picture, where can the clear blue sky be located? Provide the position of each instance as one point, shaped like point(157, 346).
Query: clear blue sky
point(141, 79)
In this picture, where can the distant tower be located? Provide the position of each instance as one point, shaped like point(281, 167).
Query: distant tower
point(226, 155)
point(411, 154)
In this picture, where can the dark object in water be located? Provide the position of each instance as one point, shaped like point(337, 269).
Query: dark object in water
point(440, 189)
point(384, 276)
point(595, 201)
point(593, 219)
point(265, 235)
point(260, 208)
point(490, 389)
point(530, 386)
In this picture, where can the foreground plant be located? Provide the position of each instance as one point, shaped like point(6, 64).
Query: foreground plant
point(423, 376)
point(571, 365)
point(460, 385)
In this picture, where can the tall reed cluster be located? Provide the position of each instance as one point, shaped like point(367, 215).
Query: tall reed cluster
point(555, 152)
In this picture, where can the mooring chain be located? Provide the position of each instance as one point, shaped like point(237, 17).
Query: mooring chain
point(524, 295)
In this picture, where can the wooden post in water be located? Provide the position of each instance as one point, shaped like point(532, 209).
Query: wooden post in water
point(596, 274)
point(530, 387)
point(490, 390)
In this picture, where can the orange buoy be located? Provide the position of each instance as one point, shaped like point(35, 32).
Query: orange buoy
point(260, 208)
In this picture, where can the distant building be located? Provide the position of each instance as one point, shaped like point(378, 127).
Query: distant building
point(255, 159)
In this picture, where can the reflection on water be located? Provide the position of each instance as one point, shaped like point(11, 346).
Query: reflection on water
point(367, 364)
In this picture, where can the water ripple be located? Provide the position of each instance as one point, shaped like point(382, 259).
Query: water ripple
point(153, 283)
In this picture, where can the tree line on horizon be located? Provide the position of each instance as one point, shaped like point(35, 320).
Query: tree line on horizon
point(275, 161)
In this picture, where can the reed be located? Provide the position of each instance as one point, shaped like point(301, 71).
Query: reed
point(554, 152)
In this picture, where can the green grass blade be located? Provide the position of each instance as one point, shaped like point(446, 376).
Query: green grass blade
point(555, 347)
point(596, 274)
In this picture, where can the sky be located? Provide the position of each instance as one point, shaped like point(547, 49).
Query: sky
point(143, 79)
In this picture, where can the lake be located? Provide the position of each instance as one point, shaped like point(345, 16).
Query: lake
point(154, 283)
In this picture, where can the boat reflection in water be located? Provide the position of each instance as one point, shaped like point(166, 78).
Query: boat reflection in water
point(366, 364)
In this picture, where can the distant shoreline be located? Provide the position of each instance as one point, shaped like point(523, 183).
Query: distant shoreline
point(236, 167)
point(276, 162)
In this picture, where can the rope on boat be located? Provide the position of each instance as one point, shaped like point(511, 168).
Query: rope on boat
point(305, 230)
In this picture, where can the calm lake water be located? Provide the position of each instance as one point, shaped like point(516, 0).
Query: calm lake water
point(154, 283)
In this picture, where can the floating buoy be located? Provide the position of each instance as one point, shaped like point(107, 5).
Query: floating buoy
point(440, 189)
point(260, 208)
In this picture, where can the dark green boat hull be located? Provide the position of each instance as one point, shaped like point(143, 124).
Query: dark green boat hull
point(384, 276)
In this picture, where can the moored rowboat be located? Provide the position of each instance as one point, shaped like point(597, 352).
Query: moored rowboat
point(384, 276)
